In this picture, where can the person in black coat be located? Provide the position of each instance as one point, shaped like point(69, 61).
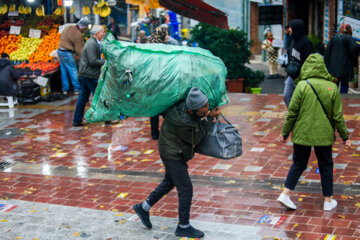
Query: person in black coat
point(114, 28)
point(300, 48)
point(341, 57)
point(8, 77)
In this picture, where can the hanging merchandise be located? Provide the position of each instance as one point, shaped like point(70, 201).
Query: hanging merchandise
point(72, 10)
point(57, 11)
point(28, 10)
point(40, 11)
point(139, 80)
point(63, 10)
point(21, 9)
point(86, 10)
point(105, 11)
point(100, 3)
point(3, 9)
point(12, 8)
point(96, 10)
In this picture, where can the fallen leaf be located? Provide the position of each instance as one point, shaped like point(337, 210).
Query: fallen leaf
point(4, 220)
point(33, 210)
point(344, 197)
point(122, 195)
point(341, 216)
point(119, 214)
point(357, 204)
point(300, 199)
point(163, 228)
point(76, 234)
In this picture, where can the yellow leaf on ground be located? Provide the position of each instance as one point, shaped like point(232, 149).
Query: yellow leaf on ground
point(303, 182)
point(344, 197)
point(76, 234)
point(115, 210)
point(357, 204)
point(300, 199)
point(33, 210)
point(341, 216)
point(4, 220)
point(122, 195)
point(119, 214)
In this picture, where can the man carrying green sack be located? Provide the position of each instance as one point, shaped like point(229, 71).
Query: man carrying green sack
point(185, 125)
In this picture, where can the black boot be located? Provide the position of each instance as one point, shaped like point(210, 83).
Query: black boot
point(189, 232)
point(143, 215)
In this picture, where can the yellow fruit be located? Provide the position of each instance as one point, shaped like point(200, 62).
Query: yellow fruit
point(86, 10)
point(105, 11)
point(12, 8)
point(5, 8)
point(96, 10)
point(57, 12)
point(21, 9)
point(2, 10)
point(40, 11)
point(28, 10)
point(63, 10)
point(101, 3)
point(72, 10)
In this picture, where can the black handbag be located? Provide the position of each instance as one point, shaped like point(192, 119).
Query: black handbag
point(293, 68)
point(222, 141)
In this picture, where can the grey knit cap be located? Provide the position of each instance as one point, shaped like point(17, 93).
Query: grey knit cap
point(83, 22)
point(195, 99)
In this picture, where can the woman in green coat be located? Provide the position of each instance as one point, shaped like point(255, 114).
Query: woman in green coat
point(313, 124)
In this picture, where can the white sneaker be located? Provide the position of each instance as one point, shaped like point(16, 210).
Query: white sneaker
point(286, 201)
point(328, 206)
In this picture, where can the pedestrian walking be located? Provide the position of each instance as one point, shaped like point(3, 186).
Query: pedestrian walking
point(71, 42)
point(89, 70)
point(8, 77)
point(114, 28)
point(287, 39)
point(271, 53)
point(301, 47)
point(185, 125)
point(341, 57)
point(314, 112)
point(159, 35)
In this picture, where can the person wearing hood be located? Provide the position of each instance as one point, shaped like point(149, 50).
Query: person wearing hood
point(8, 77)
point(185, 125)
point(341, 57)
point(71, 42)
point(314, 112)
point(159, 35)
point(300, 48)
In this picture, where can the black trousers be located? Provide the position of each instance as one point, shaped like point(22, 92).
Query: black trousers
point(301, 157)
point(154, 123)
point(176, 175)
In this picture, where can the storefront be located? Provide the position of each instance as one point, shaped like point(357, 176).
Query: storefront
point(349, 13)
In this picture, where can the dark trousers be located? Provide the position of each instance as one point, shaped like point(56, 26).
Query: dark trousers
point(176, 175)
point(300, 160)
point(88, 85)
point(154, 123)
point(344, 85)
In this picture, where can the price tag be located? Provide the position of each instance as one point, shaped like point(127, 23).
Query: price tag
point(13, 14)
point(15, 30)
point(33, 33)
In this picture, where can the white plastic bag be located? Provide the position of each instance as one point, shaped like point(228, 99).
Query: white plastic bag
point(283, 60)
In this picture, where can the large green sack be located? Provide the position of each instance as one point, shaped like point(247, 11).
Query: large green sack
point(139, 80)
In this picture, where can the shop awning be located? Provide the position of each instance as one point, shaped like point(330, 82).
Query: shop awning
point(198, 10)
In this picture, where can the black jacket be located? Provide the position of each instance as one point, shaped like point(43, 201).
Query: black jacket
point(8, 78)
point(90, 61)
point(341, 56)
point(301, 46)
point(181, 132)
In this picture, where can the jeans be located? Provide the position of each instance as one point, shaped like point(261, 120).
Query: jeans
point(176, 175)
point(288, 90)
point(88, 85)
point(68, 67)
point(300, 160)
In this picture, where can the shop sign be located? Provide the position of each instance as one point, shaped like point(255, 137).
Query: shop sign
point(15, 30)
point(13, 14)
point(33, 33)
point(136, 2)
point(278, 43)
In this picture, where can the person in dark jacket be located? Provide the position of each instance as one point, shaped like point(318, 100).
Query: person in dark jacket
point(341, 57)
point(114, 28)
point(287, 39)
point(89, 70)
point(8, 77)
point(185, 125)
point(301, 48)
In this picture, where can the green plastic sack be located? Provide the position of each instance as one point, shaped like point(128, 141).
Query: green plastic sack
point(139, 80)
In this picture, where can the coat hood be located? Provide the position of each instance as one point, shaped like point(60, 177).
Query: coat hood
point(298, 28)
point(4, 62)
point(314, 67)
point(179, 115)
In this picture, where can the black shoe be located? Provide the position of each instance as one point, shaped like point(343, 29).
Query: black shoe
point(189, 232)
point(111, 122)
point(80, 124)
point(143, 215)
point(155, 137)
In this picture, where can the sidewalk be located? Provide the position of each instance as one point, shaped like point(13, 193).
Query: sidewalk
point(81, 182)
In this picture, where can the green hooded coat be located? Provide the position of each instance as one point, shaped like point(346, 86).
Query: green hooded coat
point(306, 118)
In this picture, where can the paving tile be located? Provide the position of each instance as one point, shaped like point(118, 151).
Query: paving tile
point(104, 145)
point(253, 169)
point(141, 139)
point(33, 126)
point(99, 155)
point(46, 130)
point(99, 134)
point(222, 166)
point(71, 142)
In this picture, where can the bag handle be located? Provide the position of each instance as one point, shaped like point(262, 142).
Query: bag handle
point(322, 105)
point(227, 121)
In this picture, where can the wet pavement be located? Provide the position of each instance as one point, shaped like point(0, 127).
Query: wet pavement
point(81, 182)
